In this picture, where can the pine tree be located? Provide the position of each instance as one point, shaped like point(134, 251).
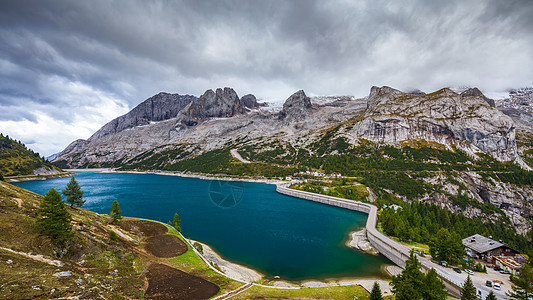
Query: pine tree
point(55, 219)
point(375, 294)
point(522, 287)
point(409, 283)
point(433, 288)
point(469, 290)
point(115, 212)
point(74, 193)
point(491, 296)
point(1, 177)
point(176, 223)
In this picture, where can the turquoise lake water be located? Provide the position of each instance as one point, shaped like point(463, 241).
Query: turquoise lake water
point(248, 223)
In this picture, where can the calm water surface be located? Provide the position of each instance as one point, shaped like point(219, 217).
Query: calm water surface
point(248, 223)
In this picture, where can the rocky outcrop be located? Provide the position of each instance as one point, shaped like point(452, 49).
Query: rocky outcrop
point(443, 117)
point(476, 92)
point(249, 101)
point(162, 106)
point(223, 103)
point(73, 147)
point(296, 107)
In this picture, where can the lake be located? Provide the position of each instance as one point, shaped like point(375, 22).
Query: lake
point(247, 223)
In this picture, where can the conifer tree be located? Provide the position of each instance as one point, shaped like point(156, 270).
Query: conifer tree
point(408, 284)
point(74, 193)
point(433, 288)
point(375, 294)
point(491, 296)
point(55, 219)
point(115, 212)
point(469, 290)
point(177, 223)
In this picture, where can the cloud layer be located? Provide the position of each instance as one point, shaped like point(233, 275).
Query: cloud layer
point(68, 67)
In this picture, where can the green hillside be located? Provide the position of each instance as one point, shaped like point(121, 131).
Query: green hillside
point(17, 159)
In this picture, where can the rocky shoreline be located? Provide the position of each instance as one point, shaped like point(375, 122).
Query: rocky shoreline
point(359, 241)
point(36, 177)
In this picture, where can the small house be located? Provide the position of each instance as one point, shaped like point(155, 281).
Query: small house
point(481, 247)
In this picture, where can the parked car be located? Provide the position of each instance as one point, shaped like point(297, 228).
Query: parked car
point(496, 286)
point(488, 283)
point(505, 272)
point(457, 270)
point(469, 272)
point(496, 268)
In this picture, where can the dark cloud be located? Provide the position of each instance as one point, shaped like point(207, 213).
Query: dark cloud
point(68, 59)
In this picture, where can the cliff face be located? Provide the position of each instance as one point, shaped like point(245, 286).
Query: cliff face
point(162, 106)
point(224, 103)
point(445, 117)
point(391, 116)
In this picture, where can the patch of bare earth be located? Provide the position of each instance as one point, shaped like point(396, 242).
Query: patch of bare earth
point(165, 246)
point(146, 228)
point(165, 282)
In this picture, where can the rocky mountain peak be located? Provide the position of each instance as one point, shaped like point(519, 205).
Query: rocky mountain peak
point(476, 92)
point(160, 107)
point(296, 107)
point(222, 103)
point(250, 101)
point(442, 116)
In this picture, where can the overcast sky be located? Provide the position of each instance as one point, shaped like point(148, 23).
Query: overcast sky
point(68, 67)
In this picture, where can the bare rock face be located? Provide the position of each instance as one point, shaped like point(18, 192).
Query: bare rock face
point(476, 92)
point(162, 106)
point(443, 117)
point(73, 147)
point(249, 101)
point(223, 103)
point(296, 107)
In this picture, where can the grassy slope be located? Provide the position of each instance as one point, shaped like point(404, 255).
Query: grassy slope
point(16, 159)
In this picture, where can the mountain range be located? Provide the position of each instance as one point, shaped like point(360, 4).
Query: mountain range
point(453, 145)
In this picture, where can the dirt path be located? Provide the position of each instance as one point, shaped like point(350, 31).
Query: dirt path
point(19, 201)
point(38, 257)
point(236, 154)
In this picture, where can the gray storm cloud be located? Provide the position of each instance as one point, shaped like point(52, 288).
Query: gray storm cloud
point(82, 63)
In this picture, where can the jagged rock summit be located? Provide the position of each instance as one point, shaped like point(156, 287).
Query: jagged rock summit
point(224, 103)
point(476, 92)
point(464, 120)
point(162, 106)
point(296, 107)
point(387, 115)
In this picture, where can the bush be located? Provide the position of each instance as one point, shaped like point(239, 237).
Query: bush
point(198, 247)
point(113, 236)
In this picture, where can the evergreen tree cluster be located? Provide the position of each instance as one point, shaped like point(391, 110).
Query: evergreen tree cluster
point(447, 246)
point(17, 159)
point(413, 284)
point(418, 222)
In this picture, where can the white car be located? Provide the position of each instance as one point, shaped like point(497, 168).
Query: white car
point(496, 286)
point(469, 272)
